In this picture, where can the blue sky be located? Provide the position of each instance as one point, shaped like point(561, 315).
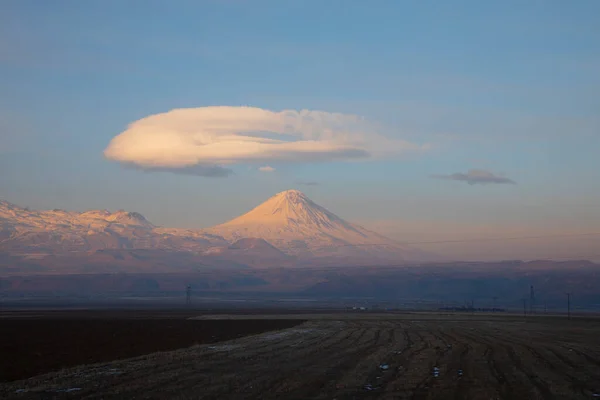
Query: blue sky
point(511, 88)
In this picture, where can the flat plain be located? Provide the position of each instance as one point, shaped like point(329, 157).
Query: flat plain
point(354, 356)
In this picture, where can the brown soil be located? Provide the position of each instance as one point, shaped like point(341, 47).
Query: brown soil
point(339, 358)
point(58, 340)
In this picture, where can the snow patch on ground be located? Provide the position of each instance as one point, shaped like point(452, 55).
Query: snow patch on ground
point(224, 347)
point(283, 334)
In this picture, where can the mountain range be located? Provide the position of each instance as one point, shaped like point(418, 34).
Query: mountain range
point(288, 229)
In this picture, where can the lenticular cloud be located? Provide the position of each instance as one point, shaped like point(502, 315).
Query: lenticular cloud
point(207, 138)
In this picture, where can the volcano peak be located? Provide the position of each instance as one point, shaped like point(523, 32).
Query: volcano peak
point(295, 224)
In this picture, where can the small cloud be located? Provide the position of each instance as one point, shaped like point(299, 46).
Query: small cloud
point(266, 168)
point(307, 183)
point(476, 176)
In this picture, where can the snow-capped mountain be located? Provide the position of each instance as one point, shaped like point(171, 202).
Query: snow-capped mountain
point(38, 233)
point(298, 226)
point(287, 229)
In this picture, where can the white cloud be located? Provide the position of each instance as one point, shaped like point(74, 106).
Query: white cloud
point(266, 168)
point(208, 137)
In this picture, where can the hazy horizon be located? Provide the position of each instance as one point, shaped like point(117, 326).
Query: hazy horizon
point(425, 123)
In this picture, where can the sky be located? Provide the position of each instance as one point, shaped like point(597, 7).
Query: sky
point(426, 121)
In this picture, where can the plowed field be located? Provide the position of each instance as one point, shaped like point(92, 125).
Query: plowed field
point(356, 357)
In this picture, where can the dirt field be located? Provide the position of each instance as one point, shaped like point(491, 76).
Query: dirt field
point(341, 356)
point(36, 343)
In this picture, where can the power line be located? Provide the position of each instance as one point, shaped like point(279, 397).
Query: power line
point(391, 243)
point(509, 238)
point(465, 240)
point(394, 242)
point(574, 257)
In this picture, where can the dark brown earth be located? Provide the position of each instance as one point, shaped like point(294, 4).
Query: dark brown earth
point(339, 356)
point(31, 346)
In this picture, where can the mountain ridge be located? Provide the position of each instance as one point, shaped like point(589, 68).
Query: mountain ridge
point(286, 229)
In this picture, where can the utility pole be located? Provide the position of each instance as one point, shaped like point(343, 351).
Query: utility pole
point(569, 304)
point(531, 299)
point(188, 295)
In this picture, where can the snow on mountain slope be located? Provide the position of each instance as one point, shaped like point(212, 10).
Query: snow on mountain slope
point(298, 226)
point(30, 232)
point(25, 218)
point(288, 228)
